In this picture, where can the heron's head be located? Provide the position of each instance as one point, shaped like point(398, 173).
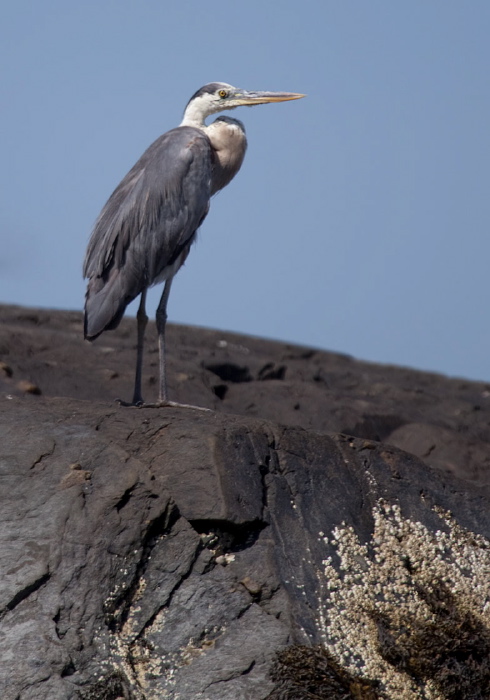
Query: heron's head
point(217, 97)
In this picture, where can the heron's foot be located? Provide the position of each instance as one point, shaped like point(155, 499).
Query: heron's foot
point(175, 404)
point(132, 404)
point(161, 404)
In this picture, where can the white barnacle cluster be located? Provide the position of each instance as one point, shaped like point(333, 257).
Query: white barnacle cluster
point(392, 577)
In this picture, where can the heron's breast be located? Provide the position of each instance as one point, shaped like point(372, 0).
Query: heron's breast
point(229, 150)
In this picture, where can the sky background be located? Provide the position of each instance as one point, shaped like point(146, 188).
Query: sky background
point(359, 221)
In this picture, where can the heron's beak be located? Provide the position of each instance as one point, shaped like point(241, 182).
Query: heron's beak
point(244, 97)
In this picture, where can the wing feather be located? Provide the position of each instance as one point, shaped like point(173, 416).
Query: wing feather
point(146, 227)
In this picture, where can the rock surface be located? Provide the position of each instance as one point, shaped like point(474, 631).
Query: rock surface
point(173, 553)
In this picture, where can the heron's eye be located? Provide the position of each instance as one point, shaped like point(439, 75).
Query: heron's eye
point(223, 93)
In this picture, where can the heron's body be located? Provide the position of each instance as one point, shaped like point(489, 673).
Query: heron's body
point(134, 247)
point(144, 232)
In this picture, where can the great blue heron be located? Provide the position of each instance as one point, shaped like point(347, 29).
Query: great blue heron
point(144, 232)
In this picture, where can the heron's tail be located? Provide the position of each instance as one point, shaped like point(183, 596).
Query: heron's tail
point(105, 304)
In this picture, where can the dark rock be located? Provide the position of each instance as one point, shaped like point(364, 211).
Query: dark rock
point(229, 371)
point(150, 553)
point(319, 391)
point(271, 371)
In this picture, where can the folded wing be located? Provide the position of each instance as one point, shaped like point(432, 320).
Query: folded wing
point(147, 226)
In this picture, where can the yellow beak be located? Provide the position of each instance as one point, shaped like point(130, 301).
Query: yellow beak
point(243, 97)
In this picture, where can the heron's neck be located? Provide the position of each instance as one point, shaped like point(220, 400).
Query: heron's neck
point(194, 116)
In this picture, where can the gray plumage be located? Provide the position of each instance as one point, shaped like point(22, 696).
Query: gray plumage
point(144, 232)
point(148, 225)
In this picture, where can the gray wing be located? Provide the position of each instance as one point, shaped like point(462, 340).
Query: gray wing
point(146, 228)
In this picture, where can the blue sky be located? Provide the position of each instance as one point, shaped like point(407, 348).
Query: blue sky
point(359, 221)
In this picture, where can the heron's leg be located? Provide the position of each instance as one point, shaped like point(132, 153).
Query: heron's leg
point(142, 320)
point(161, 319)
